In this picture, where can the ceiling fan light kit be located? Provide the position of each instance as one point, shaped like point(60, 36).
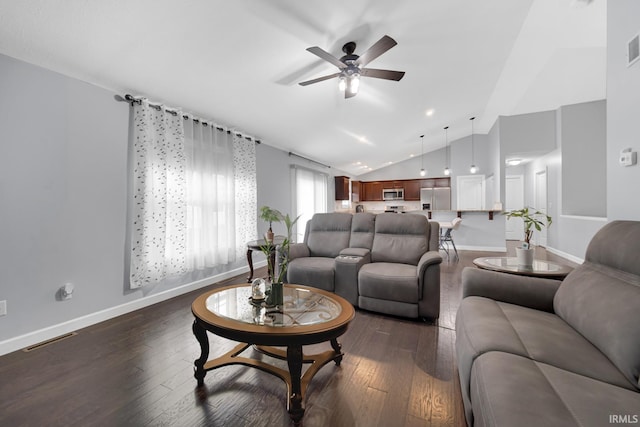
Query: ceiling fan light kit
point(352, 66)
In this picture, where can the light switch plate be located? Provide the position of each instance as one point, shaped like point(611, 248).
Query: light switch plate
point(3, 308)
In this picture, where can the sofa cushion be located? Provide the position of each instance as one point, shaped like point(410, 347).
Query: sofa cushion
point(312, 271)
point(362, 228)
point(485, 325)
point(600, 298)
point(510, 390)
point(328, 234)
point(389, 281)
point(400, 238)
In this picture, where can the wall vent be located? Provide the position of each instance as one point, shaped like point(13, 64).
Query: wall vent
point(633, 50)
point(51, 341)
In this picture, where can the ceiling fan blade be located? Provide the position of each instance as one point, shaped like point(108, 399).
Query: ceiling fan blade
point(319, 79)
point(378, 48)
point(382, 74)
point(326, 56)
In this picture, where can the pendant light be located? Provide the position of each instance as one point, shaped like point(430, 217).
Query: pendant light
point(473, 168)
point(422, 171)
point(447, 171)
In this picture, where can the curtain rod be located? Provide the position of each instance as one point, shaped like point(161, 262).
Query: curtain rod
point(307, 159)
point(134, 100)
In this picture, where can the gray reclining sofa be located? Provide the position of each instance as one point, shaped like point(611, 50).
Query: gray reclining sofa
point(540, 352)
point(388, 263)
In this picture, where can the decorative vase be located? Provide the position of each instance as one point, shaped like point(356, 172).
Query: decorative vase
point(268, 236)
point(525, 257)
point(276, 295)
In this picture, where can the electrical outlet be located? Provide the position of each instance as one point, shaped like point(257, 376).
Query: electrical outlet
point(3, 308)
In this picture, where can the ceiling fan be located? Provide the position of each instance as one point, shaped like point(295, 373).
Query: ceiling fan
point(351, 66)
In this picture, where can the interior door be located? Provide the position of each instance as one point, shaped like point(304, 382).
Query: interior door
point(514, 199)
point(540, 237)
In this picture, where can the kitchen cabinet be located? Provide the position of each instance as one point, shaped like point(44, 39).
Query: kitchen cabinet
point(372, 191)
point(412, 189)
point(342, 188)
point(355, 191)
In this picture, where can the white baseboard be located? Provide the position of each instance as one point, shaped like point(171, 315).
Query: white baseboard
point(35, 337)
point(482, 248)
point(565, 255)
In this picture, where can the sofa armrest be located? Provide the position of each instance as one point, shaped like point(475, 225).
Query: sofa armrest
point(298, 250)
point(427, 259)
point(361, 252)
point(428, 270)
point(532, 292)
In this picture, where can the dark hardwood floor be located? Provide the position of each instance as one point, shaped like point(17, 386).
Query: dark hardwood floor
point(137, 370)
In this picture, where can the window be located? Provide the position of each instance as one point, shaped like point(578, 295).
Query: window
point(310, 196)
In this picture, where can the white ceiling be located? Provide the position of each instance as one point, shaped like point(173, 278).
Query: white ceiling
point(238, 62)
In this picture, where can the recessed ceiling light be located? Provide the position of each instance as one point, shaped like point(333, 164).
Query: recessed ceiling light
point(430, 112)
point(411, 155)
point(514, 162)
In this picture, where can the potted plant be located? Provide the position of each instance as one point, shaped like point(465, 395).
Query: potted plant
point(276, 291)
point(532, 219)
point(270, 215)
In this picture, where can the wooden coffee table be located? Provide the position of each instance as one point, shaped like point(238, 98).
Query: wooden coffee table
point(540, 268)
point(307, 316)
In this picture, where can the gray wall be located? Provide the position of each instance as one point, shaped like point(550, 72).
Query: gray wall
point(64, 189)
point(274, 182)
point(623, 110)
point(526, 135)
point(63, 175)
point(583, 144)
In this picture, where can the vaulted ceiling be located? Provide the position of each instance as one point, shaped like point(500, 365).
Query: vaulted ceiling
point(239, 62)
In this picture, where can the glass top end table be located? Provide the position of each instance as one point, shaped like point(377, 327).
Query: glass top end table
point(540, 268)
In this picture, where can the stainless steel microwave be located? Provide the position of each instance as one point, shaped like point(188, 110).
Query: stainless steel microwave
point(393, 194)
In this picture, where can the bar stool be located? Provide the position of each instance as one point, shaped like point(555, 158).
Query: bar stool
point(446, 237)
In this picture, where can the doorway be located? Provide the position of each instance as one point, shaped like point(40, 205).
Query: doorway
point(540, 204)
point(514, 199)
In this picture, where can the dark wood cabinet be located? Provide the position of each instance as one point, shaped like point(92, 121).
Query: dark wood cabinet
point(412, 189)
point(355, 191)
point(342, 188)
point(371, 191)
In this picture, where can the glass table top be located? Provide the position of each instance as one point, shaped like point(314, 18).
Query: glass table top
point(512, 264)
point(301, 307)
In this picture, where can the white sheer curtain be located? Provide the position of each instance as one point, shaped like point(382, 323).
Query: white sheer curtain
point(211, 234)
point(158, 235)
point(310, 196)
point(194, 189)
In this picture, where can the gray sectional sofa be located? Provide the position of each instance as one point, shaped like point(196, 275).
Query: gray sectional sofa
point(540, 352)
point(388, 263)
